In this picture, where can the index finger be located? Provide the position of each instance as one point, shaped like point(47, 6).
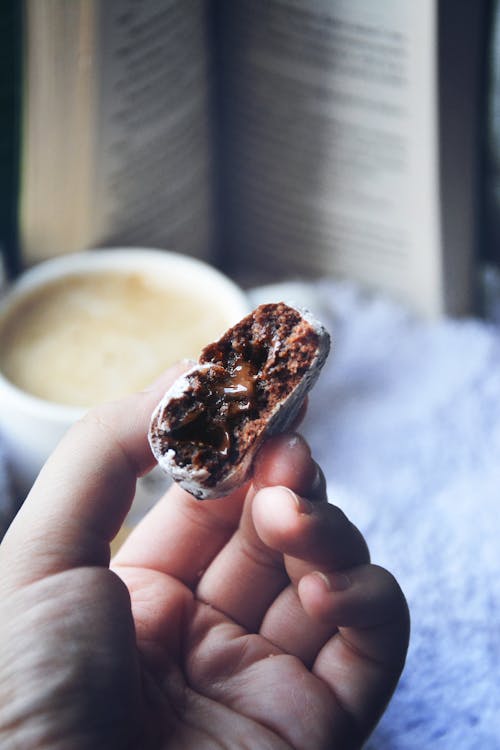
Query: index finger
point(85, 489)
point(182, 536)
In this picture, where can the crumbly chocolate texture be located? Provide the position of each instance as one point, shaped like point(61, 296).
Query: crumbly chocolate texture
point(250, 384)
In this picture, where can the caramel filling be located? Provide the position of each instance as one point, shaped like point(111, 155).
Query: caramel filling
point(223, 410)
point(226, 399)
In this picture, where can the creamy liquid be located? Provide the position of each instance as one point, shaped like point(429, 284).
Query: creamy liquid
point(94, 337)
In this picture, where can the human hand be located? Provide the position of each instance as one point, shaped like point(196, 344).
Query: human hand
point(250, 621)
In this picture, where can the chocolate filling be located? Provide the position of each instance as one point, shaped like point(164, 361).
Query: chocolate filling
point(226, 396)
point(255, 365)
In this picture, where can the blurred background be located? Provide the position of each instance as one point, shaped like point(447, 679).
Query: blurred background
point(274, 139)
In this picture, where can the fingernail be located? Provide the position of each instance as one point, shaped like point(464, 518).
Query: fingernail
point(334, 581)
point(303, 505)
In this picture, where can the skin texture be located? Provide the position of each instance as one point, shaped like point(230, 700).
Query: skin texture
point(254, 621)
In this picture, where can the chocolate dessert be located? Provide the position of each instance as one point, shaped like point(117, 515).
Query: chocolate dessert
point(247, 386)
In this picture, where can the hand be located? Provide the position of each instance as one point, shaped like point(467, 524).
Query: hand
point(252, 621)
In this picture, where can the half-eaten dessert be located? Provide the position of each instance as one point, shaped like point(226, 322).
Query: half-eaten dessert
point(249, 385)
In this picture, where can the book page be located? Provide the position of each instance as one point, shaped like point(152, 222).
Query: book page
point(463, 30)
point(56, 128)
point(153, 163)
point(117, 133)
point(331, 134)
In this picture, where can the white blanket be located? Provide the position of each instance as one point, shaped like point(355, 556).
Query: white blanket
point(405, 421)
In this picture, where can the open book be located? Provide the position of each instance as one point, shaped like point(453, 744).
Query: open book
point(276, 138)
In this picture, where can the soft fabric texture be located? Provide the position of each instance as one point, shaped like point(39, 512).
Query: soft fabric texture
point(405, 420)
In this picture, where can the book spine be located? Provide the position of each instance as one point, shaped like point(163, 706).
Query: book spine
point(490, 177)
point(10, 76)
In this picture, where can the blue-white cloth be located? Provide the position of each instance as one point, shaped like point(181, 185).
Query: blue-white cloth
point(405, 420)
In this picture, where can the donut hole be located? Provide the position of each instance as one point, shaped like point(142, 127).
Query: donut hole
point(241, 381)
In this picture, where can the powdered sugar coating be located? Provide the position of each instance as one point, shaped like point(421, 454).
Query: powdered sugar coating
point(195, 477)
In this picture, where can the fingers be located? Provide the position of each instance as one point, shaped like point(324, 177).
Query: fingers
point(287, 461)
point(247, 575)
point(370, 611)
point(182, 536)
point(311, 537)
point(85, 489)
point(344, 618)
point(307, 533)
point(365, 603)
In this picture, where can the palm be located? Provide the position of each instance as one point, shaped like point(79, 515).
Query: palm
point(210, 683)
point(193, 678)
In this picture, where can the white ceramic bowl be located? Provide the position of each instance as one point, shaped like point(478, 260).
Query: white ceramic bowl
point(30, 426)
